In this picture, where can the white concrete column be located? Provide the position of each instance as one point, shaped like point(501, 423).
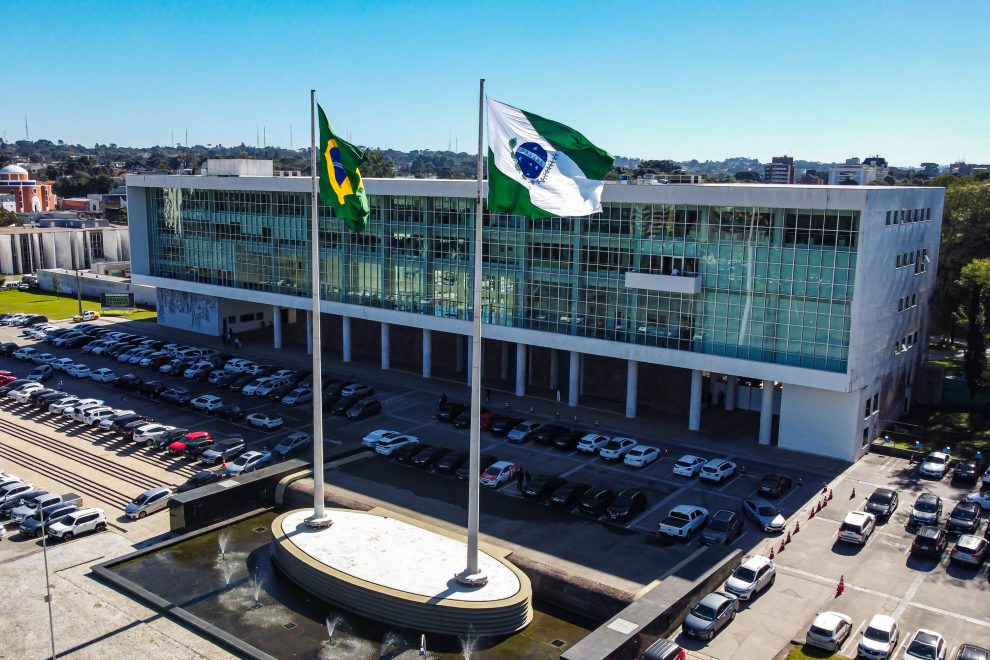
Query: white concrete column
point(766, 412)
point(731, 386)
point(346, 335)
point(386, 347)
point(309, 333)
point(632, 387)
point(427, 353)
point(277, 323)
point(520, 369)
point(554, 370)
point(574, 380)
point(470, 359)
point(694, 418)
point(504, 372)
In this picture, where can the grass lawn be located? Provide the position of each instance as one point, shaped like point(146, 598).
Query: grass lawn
point(805, 652)
point(965, 432)
point(57, 307)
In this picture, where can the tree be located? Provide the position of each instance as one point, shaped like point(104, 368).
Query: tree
point(889, 180)
point(9, 218)
point(976, 277)
point(747, 176)
point(965, 237)
point(57, 284)
point(657, 167)
point(377, 165)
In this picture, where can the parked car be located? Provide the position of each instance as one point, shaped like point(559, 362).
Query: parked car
point(926, 645)
point(452, 461)
point(882, 503)
point(522, 430)
point(485, 462)
point(39, 522)
point(267, 421)
point(590, 443)
point(180, 396)
point(723, 528)
point(223, 450)
point(663, 649)
point(297, 396)
point(88, 315)
point(541, 486)
point(929, 541)
point(935, 464)
point(79, 370)
point(449, 411)
point(388, 446)
point(342, 406)
point(682, 521)
point(357, 390)
point(292, 443)
point(970, 652)
point(627, 504)
point(151, 500)
point(616, 448)
point(641, 455)
point(567, 441)
point(764, 514)
point(407, 453)
point(927, 509)
point(200, 478)
point(857, 527)
point(364, 408)
point(569, 494)
point(980, 497)
point(547, 434)
point(965, 518)
point(880, 638)
point(969, 549)
point(41, 373)
point(376, 436)
point(499, 473)
point(774, 485)
point(191, 444)
point(231, 412)
point(80, 522)
point(717, 470)
point(689, 465)
point(595, 501)
point(248, 462)
point(503, 425)
point(710, 614)
point(829, 631)
point(428, 456)
point(207, 403)
point(967, 471)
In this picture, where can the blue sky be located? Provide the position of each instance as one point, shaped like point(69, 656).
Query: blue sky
point(820, 81)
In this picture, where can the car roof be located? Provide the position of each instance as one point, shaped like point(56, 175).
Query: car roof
point(886, 492)
point(830, 620)
point(723, 514)
point(858, 516)
point(756, 561)
point(882, 622)
point(82, 512)
point(717, 462)
point(156, 489)
point(970, 542)
point(929, 531)
point(714, 599)
point(501, 464)
point(937, 454)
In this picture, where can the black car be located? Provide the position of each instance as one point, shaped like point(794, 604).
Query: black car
point(406, 453)
point(569, 494)
point(541, 486)
point(37, 394)
point(364, 408)
point(547, 434)
point(428, 457)
point(463, 420)
point(180, 396)
point(449, 411)
point(450, 462)
point(7, 348)
point(238, 383)
point(196, 446)
point(44, 401)
point(128, 382)
point(230, 412)
point(627, 504)
point(503, 425)
point(882, 503)
point(117, 426)
point(930, 542)
point(724, 527)
point(343, 405)
point(970, 652)
point(76, 342)
point(14, 384)
point(774, 485)
point(226, 378)
point(168, 437)
point(278, 392)
point(200, 478)
point(967, 471)
point(568, 440)
point(596, 500)
point(485, 461)
point(965, 518)
point(128, 429)
point(152, 388)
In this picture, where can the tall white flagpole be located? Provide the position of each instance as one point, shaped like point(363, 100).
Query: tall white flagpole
point(472, 575)
point(319, 518)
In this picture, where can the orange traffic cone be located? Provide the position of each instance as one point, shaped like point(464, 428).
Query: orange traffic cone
point(771, 553)
point(841, 587)
point(811, 514)
point(788, 538)
point(829, 496)
point(824, 488)
point(852, 495)
point(782, 546)
point(797, 526)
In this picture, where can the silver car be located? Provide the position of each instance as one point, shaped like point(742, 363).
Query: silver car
point(764, 514)
point(711, 614)
point(151, 500)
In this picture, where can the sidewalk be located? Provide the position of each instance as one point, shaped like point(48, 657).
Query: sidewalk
point(729, 433)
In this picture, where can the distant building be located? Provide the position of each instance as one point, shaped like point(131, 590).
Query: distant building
point(779, 170)
point(813, 178)
point(967, 169)
point(853, 173)
point(30, 196)
point(931, 169)
point(879, 164)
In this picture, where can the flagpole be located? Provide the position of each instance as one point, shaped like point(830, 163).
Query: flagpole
point(472, 574)
point(319, 518)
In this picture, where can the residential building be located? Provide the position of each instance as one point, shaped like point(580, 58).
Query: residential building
point(29, 194)
point(968, 169)
point(852, 173)
point(813, 178)
point(784, 301)
point(779, 170)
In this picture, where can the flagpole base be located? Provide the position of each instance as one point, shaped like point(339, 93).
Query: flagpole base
point(477, 579)
point(318, 523)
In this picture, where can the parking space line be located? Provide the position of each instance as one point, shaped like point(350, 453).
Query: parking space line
point(573, 470)
point(654, 508)
point(852, 639)
point(954, 615)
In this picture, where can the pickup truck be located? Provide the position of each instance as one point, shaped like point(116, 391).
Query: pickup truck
point(683, 521)
point(37, 503)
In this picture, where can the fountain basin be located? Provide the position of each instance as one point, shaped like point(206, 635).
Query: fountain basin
point(401, 571)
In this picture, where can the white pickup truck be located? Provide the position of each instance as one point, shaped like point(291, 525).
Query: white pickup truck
point(683, 521)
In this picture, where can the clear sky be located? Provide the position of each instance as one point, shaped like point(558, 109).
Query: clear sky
point(707, 80)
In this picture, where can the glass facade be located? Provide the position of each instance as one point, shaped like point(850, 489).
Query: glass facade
point(776, 283)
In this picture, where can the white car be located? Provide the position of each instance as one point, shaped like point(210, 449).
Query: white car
point(522, 430)
point(498, 473)
point(237, 365)
point(207, 402)
point(857, 527)
point(752, 577)
point(80, 522)
point(980, 497)
point(590, 443)
point(79, 370)
point(103, 375)
point(150, 432)
point(616, 448)
point(880, 638)
point(689, 465)
point(295, 441)
point(77, 411)
point(264, 421)
point(247, 462)
point(829, 631)
point(44, 358)
point(93, 415)
point(925, 645)
point(62, 364)
point(270, 385)
point(935, 464)
point(22, 393)
point(62, 405)
point(151, 500)
point(641, 456)
point(387, 446)
point(373, 438)
point(25, 353)
point(252, 388)
point(717, 470)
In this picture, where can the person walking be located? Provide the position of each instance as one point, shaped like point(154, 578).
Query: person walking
point(60, 386)
point(443, 400)
point(519, 480)
point(558, 396)
point(488, 395)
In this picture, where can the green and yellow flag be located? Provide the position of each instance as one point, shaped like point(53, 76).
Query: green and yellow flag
point(341, 186)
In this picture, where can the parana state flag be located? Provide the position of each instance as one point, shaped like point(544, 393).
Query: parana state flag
point(540, 168)
point(341, 186)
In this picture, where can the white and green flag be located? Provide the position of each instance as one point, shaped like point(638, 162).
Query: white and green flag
point(540, 168)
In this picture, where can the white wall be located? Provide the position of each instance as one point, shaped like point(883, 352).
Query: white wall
point(820, 422)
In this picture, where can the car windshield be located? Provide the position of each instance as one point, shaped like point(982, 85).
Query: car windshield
point(821, 632)
point(703, 611)
point(876, 635)
point(141, 499)
point(964, 514)
point(921, 649)
point(744, 574)
point(613, 444)
point(684, 464)
point(242, 460)
point(936, 459)
point(491, 473)
point(766, 511)
point(719, 525)
point(881, 498)
point(926, 506)
point(624, 499)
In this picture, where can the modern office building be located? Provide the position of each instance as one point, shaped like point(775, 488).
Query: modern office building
point(70, 244)
point(806, 305)
point(779, 170)
point(852, 173)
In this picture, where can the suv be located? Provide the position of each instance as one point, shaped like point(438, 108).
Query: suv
point(927, 509)
point(223, 450)
point(857, 527)
point(717, 470)
point(752, 577)
point(965, 518)
point(80, 522)
point(929, 541)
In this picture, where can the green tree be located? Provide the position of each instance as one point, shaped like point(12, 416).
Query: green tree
point(976, 278)
point(57, 284)
point(965, 237)
point(377, 165)
point(747, 176)
point(657, 167)
point(9, 218)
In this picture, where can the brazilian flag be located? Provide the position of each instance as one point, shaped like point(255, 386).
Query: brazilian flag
point(341, 186)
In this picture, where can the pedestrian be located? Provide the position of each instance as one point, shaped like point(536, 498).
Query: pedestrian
point(443, 400)
point(60, 385)
point(558, 396)
point(519, 480)
point(237, 343)
point(488, 395)
point(528, 475)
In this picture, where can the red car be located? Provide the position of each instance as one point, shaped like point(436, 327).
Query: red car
point(7, 378)
point(189, 441)
point(488, 418)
